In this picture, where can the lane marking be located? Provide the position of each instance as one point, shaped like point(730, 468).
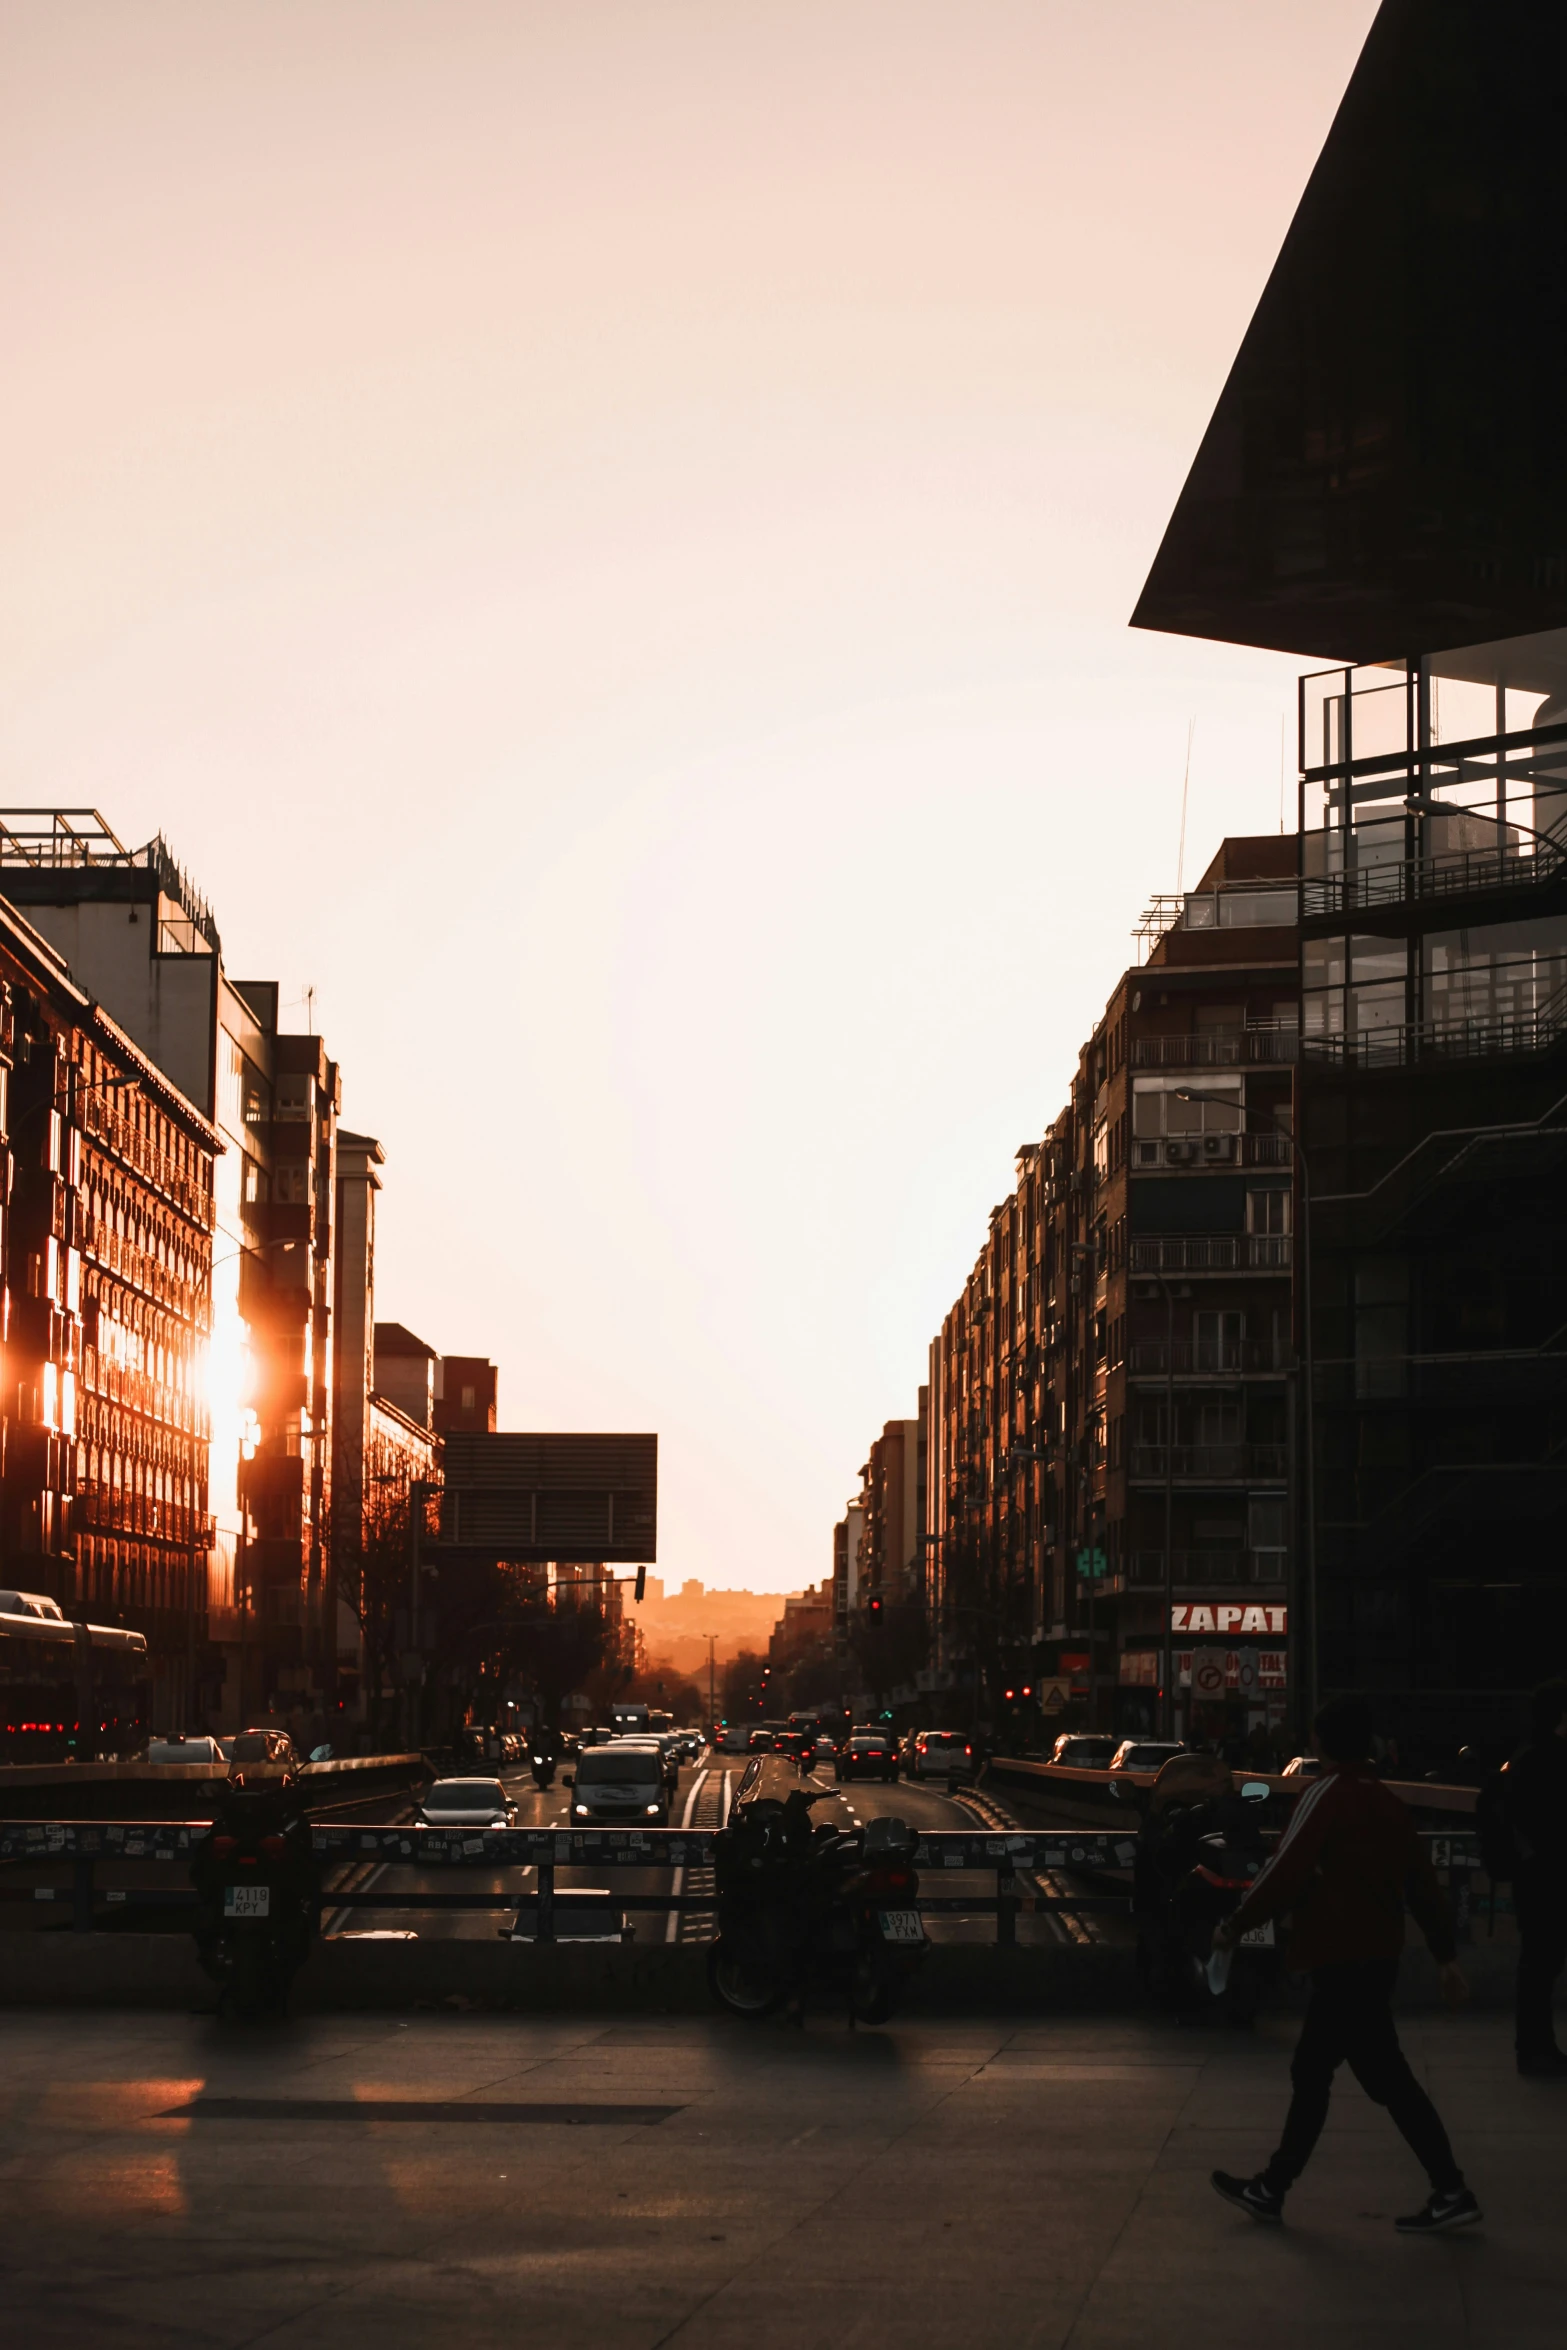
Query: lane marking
point(672, 1931)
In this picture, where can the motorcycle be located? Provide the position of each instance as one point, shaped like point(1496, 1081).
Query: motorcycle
point(803, 1907)
point(258, 1894)
point(1194, 1867)
point(543, 1766)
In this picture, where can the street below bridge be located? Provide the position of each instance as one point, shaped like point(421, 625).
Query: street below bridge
point(704, 1798)
point(962, 2183)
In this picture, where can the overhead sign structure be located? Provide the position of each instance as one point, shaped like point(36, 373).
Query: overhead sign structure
point(570, 1500)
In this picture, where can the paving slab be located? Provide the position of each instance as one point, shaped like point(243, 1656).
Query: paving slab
point(985, 2182)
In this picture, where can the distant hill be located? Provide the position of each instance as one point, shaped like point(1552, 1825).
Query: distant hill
point(674, 1624)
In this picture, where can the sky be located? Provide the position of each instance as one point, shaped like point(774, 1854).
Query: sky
point(603, 537)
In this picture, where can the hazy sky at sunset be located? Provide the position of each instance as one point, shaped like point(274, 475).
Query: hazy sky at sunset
point(603, 535)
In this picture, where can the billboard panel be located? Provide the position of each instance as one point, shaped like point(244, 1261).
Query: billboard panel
point(575, 1499)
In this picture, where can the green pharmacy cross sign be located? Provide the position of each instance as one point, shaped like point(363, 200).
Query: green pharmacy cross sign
point(1092, 1566)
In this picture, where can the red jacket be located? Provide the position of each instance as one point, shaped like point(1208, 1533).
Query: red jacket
point(1345, 1866)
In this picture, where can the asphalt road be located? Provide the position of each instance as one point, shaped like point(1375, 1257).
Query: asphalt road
point(706, 1792)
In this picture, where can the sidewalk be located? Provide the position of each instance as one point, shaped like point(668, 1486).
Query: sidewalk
point(940, 2184)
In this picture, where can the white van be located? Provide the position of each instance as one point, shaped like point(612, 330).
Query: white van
point(619, 1787)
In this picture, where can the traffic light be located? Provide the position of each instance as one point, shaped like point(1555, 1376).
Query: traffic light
point(873, 1607)
point(641, 1585)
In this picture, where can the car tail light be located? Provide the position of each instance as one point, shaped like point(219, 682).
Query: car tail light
point(274, 1847)
point(222, 1846)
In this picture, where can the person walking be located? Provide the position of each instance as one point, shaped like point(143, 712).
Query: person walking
point(1534, 1795)
point(1345, 1865)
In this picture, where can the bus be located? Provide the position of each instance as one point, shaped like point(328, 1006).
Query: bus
point(69, 1692)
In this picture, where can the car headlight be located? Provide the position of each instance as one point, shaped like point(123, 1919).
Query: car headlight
point(653, 1807)
point(581, 1810)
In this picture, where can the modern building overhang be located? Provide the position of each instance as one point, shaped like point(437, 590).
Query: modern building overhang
point(1386, 470)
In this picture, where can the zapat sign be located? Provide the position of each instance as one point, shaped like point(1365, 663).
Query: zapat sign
point(1229, 1619)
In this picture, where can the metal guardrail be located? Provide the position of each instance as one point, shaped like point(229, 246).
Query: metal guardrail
point(84, 1844)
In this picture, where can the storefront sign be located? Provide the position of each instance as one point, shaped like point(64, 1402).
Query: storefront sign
point(1229, 1619)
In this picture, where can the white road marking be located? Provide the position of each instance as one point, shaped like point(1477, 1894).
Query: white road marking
point(672, 1933)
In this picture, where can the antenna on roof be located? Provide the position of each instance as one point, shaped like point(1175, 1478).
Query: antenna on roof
point(1186, 782)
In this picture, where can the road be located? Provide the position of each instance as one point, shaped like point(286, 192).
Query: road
point(706, 1792)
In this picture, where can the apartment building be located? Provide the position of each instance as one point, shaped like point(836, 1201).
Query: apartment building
point(1110, 1402)
point(892, 1511)
point(107, 1272)
point(138, 937)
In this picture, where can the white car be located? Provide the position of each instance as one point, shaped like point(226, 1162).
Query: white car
point(187, 1750)
point(940, 1754)
point(467, 1803)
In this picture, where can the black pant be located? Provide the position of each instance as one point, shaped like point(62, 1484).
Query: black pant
point(1350, 2020)
point(1540, 1904)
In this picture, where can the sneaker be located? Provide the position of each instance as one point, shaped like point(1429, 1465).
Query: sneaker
point(1250, 2195)
point(1457, 2209)
point(1546, 2064)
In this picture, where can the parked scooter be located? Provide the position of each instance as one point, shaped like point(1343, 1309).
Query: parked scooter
point(803, 1908)
point(1195, 1863)
point(258, 1894)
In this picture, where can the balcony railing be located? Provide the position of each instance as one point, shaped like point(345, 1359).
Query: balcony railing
point(1254, 1252)
point(1446, 1040)
point(1460, 874)
point(1143, 1570)
point(1191, 1358)
point(1217, 1462)
point(1217, 1048)
point(1211, 1150)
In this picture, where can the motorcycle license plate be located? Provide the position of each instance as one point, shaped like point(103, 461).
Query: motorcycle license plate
point(247, 1901)
point(901, 1925)
point(1260, 1937)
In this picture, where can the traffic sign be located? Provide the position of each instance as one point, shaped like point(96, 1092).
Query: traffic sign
point(1208, 1673)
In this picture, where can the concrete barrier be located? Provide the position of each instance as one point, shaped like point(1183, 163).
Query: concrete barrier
point(177, 1791)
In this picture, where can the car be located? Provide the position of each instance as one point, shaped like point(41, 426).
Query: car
point(620, 1785)
point(1145, 1754)
point(759, 1742)
point(181, 1749)
point(869, 1754)
point(1083, 1750)
point(466, 1803)
point(1303, 1766)
point(825, 1750)
point(655, 1743)
point(939, 1754)
point(272, 1748)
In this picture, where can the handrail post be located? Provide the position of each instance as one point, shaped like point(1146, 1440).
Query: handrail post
point(544, 1923)
point(82, 1896)
point(1006, 1903)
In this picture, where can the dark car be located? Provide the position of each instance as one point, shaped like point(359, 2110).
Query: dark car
point(868, 1755)
point(264, 1748)
point(1084, 1750)
point(759, 1742)
point(1144, 1754)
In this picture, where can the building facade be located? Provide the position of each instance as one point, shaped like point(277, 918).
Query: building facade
point(1111, 1402)
point(140, 940)
point(107, 1271)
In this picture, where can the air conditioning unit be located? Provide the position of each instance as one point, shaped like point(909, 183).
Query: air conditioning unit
point(1179, 1154)
point(1218, 1146)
